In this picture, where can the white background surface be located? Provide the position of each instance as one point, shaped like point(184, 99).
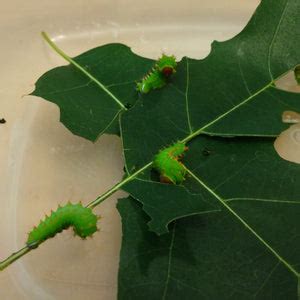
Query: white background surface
point(43, 164)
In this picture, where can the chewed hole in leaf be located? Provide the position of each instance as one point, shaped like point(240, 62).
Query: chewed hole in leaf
point(297, 74)
point(287, 145)
point(290, 117)
point(288, 82)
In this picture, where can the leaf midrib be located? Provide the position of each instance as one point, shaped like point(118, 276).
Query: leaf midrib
point(83, 70)
point(200, 130)
point(245, 224)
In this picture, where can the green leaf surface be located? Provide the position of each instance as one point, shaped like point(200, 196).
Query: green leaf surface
point(166, 116)
point(90, 105)
point(208, 256)
point(243, 168)
point(229, 93)
point(247, 196)
point(231, 230)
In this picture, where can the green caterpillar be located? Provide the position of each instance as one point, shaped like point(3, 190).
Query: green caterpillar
point(157, 77)
point(168, 163)
point(82, 219)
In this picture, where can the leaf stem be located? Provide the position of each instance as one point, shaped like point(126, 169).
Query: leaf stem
point(15, 256)
point(101, 198)
point(79, 67)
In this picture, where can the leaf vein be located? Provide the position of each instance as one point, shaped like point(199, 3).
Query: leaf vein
point(169, 263)
point(267, 279)
point(246, 225)
point(186, 95)
point(261, 200)
point(273, 39)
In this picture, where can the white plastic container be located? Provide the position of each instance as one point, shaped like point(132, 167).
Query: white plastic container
point(43, 164)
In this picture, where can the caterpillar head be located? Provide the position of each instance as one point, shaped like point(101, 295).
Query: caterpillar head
point(166, 65)
point(159, 74)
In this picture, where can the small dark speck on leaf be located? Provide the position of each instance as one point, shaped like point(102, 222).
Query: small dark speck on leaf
point(206, 152)
point(2, 121)
point(128, 105)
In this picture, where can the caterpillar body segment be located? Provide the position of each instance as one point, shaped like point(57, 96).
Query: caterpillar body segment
point(168, 164)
